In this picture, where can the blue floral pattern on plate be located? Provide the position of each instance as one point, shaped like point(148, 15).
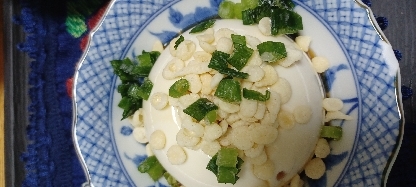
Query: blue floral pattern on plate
point(360, 74)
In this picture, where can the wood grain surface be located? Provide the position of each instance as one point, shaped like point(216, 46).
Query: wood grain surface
point(2, 150)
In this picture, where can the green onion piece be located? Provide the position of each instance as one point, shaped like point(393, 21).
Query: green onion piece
point(238, 7)
point(225, 10)
point(146, 88)
point(156, 171)
point(123, 88)
point(171, 180)
point(255, 95)
point(227, 157)
point(141, 70)
point(238, 39)
point(227, 175)
point(234, 73)
point(229, 90)
point(212, 164)
point(203, 26)
point(331, 132)
point(129, 73)
point(285, 21)
point(272, 51)
point(249, 4)
point(286, 4)
point(134, 91)
point(179, 88)
point(125, 103)
point(226, 165)
point(148, 163)
point(240, 56)
point(211, 116)
point(240, 163)
point(145, 65)
point(142, 91)
point(129, 106)
point(153, 55)
point(120, 67)
point(200, 108)
point(178, 41)
point(252, 16)
point(219, 60)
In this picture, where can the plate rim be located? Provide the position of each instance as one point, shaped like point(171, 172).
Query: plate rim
point(110, 5)
point(398, 93)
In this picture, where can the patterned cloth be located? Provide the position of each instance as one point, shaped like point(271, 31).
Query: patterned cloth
point(56, 37)
point(57, 34)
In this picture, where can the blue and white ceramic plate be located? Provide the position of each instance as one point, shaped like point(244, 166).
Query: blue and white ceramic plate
point(364, 74)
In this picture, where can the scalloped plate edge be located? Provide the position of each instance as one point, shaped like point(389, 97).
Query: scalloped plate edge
point(373, 21)
point(398, 93)
point(87, 183)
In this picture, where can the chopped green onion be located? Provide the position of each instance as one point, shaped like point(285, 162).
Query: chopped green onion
point(211, 116)
point(229, 90)
point(234, 73)
point(285, 21)
point(227, 157)
point(226, 165)
point(219, 62)
point(238, 7)
point(203, 26)
point(179, 41)
point(123, 88)
point(255, 95)
point(148, 57)
point(200, 108)
point(272, 51)
point(212, 164)
point(227, 175)
point(240, 162)
point(247, 4)
point(240, 56)
point(148, 163)
point(252, 16)
point(142, 91)
point(120, 67)
point(144, 66)
point(286, 4)
point(156, 171)
point(331, 132)
point(129, 106)
point(238, 39)
point(179, 88)
point(129, 73)
point(153, 55)
point(171, 180)
point(225, 10)
point(152, 167)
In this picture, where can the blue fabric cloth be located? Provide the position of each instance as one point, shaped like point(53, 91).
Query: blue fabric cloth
point(50, 158)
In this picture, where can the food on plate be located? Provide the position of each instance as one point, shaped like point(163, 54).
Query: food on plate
point(229, 94)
